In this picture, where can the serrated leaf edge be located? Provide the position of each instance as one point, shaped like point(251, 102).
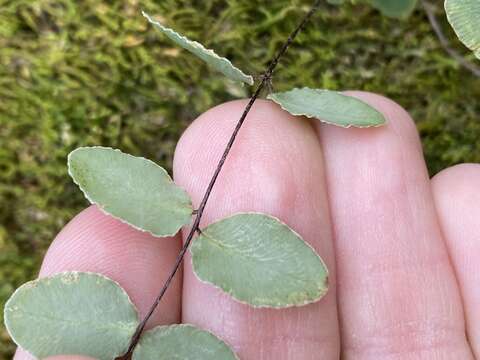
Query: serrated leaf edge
point(323, 291)
point(248, 79)
point(272, 97)
point(114, 216)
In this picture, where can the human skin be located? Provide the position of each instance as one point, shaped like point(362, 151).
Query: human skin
point(402, 249)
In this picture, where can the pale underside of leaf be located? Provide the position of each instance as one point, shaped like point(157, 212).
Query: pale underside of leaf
point(464, 16)
point(263, 262)
point(71, 313)
point(217, 62)
point(328, 106)
point(132, 189)
point(182, 342)
point(395, 8)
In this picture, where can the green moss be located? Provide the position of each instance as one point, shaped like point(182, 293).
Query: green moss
point(90, 72)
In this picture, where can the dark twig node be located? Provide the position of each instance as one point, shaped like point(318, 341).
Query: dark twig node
point(269, 84)
point(268, 81)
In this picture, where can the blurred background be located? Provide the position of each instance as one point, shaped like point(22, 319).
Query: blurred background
point(93, 72)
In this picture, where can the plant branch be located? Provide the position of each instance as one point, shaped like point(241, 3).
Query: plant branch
point(195, 227)
point(475, 70)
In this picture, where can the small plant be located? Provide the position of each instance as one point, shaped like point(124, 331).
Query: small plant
point(269, 264)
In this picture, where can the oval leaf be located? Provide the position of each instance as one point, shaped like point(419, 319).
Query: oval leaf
point(184, 342)
point(132, 189)
point(71, 313)
point(395, 8)
point(219, 63)
point(260, 261)
point(464, 16)
point(328, 106)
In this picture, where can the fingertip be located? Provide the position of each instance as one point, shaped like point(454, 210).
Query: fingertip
point(389, 108)
point(462, 177)
point(398, 122)
point(456, 195)
point(457, 200)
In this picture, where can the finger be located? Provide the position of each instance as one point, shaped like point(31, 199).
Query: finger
point(458, 205)
point(275, 167)
point(139, 262)
point(398, 297)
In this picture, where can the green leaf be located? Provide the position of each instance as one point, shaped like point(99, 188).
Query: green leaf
point(219, 63)
point(260, 261)
point(395, 8)
point(71, 313)
point(328, 106)
point(464, 16)
point(184, 342)
point(132, 189)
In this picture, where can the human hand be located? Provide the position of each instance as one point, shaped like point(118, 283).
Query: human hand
point(402, 249)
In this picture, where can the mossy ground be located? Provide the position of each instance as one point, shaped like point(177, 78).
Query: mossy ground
point(91, 72)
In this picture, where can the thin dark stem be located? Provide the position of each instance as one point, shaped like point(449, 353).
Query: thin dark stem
point(475, 70)
point(195, 227)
